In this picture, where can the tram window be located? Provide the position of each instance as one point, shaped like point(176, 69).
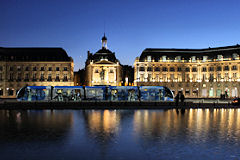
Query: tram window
point(168, 93)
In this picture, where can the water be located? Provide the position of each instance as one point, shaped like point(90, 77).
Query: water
point(120, 134)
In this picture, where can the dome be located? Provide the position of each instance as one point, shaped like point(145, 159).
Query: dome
point(103, 50)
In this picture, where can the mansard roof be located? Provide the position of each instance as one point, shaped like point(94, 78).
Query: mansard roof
point(103, 51)
point(103, 54)
point(212, 53)
point(34, 54)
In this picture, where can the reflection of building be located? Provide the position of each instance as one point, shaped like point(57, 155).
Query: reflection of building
point(198, 72)
point(45, 125)
point(34, 67)
point(102, 124)
point(102, 68)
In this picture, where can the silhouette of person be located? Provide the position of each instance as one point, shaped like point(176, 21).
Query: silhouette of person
point(182, 98)
point(177, 99)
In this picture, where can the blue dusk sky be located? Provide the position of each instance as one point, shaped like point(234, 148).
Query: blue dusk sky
point(130, 25)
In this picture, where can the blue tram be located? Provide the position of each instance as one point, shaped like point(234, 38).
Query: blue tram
point(96, 93)
point(123, 93)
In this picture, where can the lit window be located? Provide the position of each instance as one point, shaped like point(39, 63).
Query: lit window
point(219, 68)
point(19, 68)
point(57, 77)
point(172, 69)
point(204, 69)
point(234, 67)
point(49, 77)
point(149, 69)
point(211, 69)
point(194, 69)
point(149, 58)
point(165, 69)
point(226, 68)
point(164, 58)
point(157, 69)
point(141, 69)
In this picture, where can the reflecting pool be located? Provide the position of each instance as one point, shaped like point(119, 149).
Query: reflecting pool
point(120, 134)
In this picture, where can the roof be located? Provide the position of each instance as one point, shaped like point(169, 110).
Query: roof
point(187, 53)
point(103, 54)
point(34, 54)
point(103, 50)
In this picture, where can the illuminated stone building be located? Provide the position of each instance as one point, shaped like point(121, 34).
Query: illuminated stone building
point(33, 67)
point(102, 68)
point(202, 73)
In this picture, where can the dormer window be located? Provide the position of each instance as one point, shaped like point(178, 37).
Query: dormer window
point(235, 56)
point(205, 58)
point(149, 58)
point(193, 58)
point(219, 57)
point(178, 58)
point(164, 58)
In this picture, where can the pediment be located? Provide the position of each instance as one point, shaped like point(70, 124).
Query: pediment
point(104, 62)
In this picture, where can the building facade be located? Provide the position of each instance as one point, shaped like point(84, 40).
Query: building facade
point(21, 67)
point(102, 68)
point(198, 73)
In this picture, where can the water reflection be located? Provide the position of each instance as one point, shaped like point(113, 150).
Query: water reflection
point(25, 125)
point(102, 125)
point(196, 124)
point(121, 134)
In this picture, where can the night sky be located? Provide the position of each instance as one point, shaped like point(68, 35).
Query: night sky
point(130, 25)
